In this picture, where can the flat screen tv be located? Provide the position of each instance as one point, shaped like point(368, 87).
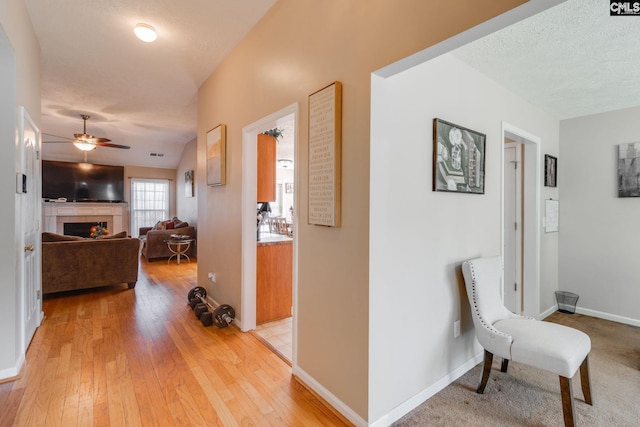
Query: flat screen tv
point(78, 183)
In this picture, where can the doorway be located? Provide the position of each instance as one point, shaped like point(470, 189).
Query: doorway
point(520, 220)
point(286, 206)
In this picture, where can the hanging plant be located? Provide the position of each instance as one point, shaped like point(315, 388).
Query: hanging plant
point(275, 132)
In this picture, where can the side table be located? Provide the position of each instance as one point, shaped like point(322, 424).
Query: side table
point(179, 248)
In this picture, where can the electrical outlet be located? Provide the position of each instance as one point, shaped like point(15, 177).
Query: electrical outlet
point(212, 277)
point(456, 329)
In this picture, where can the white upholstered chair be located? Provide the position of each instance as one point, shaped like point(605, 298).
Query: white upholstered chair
point(549, 346)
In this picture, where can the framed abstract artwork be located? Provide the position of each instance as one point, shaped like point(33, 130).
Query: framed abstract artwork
point(458, 158)
point(550, 171)
point(629, 170)
point(216, 168)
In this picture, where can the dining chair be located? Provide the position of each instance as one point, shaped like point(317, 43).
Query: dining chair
point(544, 345)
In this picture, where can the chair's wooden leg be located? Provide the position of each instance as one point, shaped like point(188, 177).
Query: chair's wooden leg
point(585, 380)
point(486, 370)
point(505, 365)
point(567, 401)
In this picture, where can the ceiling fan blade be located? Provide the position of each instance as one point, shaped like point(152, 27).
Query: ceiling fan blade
point(101, 140)
point(57, 136)
point(107, 144)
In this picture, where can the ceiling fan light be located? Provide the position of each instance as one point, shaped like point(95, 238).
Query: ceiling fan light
point(145, 32)
point(84, 146)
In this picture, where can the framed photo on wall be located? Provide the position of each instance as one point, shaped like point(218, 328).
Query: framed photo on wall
point(629, 170)
point(550, 171)
point(458, 158)
point(188, 183)
point(216, 168)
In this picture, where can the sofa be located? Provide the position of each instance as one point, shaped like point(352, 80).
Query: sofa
point(70, 262)
point(154, 238)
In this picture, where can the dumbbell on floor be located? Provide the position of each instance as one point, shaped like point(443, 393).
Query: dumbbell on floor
point(221, 316)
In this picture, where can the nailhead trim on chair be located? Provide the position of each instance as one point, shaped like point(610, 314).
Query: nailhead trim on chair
point(475, 304)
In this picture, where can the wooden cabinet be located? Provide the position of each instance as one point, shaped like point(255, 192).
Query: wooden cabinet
point(274, 281)
point(266, 168)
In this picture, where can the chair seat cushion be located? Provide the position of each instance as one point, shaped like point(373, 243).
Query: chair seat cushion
point(549, 346)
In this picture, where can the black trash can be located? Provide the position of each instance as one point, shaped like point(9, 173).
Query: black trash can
point(566, 301)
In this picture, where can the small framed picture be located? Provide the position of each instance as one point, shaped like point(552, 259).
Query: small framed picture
point(550, 171)
point(188, 183)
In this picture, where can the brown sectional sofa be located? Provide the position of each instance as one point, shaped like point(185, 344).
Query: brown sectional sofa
point(70, 263)
point(153, 238)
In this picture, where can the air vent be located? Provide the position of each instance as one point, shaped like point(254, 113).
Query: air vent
point(156, 154)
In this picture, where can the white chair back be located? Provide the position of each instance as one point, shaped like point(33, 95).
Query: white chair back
point(482, 280)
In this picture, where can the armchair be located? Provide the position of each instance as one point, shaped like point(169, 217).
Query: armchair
point(544, 345)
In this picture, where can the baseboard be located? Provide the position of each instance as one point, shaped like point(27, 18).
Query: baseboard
point(608, 316)
point(11, 374)
point(548, 312)
point(328, 397)
point(424, 395)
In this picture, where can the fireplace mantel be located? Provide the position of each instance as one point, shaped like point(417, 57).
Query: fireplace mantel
point(56, 214)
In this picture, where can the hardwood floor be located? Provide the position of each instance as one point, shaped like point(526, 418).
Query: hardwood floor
point(115, 356)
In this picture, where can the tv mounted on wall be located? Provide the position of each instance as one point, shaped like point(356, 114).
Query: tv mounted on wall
point(82, 182)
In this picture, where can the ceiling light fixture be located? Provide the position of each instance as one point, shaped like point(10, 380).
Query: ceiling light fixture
point(285, 163)
point(145, 32)
point(84, 145)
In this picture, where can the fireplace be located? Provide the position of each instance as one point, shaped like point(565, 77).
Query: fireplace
point(81, 229)
point(56, 215)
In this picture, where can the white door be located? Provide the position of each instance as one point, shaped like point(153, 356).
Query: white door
point(28, 182)
point(512, 228)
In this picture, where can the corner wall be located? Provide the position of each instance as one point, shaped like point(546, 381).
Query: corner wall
point(599, 232)
point(187, 207)
point(299, 47)
point(419, 238)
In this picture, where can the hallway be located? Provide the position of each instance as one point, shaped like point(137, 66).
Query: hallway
point(114, 356)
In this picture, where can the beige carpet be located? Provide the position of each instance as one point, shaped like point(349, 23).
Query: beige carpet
point(527, 396)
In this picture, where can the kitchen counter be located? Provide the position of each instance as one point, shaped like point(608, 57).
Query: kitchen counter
point(273, 239)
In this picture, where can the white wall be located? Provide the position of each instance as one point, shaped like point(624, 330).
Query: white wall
point(187, 207)
point(419, 238)
point(20, 76)
point(599, 232)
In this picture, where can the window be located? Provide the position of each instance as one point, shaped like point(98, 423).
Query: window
point(149, 202)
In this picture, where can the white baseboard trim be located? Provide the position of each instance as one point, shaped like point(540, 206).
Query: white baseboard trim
point(409, 405)
point(608, 316)
point(329, 397)
point(548, 312)
point(14, 371)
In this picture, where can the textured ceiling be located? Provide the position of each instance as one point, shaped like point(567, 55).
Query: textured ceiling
point(138, 94)
point(571, 60)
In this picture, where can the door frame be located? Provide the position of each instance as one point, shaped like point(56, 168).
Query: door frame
point(249, 196)
point(531, 222)
point(519, 221)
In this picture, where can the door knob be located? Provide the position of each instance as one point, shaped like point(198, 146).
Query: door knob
point(28, 248)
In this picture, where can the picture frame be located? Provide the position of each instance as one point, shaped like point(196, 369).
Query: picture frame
point(550, 171)
point(288, 187)
point(458, 158)
point(629, 170)
point(188, 183)
point(216, 155)
point(325, 156)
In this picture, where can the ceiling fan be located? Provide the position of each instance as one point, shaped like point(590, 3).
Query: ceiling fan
point(85, 142)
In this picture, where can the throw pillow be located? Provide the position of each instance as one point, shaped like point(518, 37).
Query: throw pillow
point(120, 235)
point(53, 237)
point(169, 225)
